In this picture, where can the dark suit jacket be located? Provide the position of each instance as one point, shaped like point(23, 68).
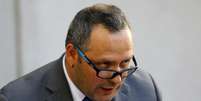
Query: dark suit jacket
point(48, 83)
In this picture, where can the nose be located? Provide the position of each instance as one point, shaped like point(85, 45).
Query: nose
point(117, 79)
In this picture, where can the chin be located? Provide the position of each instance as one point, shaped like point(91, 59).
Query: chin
point(104, 98)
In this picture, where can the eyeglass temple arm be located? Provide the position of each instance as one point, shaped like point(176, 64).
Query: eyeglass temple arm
point(83, 56)
point(135, 62)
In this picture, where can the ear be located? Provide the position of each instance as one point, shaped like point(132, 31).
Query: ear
point(71, 55)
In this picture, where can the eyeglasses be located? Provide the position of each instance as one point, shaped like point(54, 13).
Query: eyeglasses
point(107, 73)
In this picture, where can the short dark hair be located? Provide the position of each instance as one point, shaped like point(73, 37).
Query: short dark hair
point(110, 16)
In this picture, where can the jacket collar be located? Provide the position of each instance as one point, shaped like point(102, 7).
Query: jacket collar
point(57, 84)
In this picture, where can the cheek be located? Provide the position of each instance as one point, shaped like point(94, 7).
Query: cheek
point(89, 78)
point(88, 81)
point(92, 79)
point(93, 82)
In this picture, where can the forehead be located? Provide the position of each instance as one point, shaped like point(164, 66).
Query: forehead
point(103, 41)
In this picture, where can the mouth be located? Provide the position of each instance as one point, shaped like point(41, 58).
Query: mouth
point(107, 90)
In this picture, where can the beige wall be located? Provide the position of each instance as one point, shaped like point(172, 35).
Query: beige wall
point(166, 32)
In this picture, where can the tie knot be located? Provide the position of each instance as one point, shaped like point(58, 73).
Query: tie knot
point(86, 99)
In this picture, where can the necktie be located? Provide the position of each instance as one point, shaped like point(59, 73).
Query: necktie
point(86, 99)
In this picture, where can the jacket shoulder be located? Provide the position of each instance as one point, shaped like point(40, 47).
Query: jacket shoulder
point(141, 86)
point(28, 86)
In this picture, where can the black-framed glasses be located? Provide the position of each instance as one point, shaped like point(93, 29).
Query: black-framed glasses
point(107, 73)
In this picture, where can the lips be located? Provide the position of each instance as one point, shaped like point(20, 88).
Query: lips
point(107, 90)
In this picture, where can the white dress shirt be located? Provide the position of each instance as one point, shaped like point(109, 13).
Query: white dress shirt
point(76, 93)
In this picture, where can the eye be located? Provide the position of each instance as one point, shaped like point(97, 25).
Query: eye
point(125, 63)
point(102, 65)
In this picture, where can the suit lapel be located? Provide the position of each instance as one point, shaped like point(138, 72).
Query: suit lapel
point(60, 96)
point(57, 84)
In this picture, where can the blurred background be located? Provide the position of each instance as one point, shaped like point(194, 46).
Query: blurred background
point(167, 39)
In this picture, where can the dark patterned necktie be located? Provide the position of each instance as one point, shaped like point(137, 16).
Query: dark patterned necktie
point(86, 99)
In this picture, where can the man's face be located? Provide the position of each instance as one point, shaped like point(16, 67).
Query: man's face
point(109, 51)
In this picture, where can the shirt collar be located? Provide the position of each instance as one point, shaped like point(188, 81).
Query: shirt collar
point(76, 93)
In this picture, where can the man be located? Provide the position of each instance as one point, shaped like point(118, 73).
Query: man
point(96, 65)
